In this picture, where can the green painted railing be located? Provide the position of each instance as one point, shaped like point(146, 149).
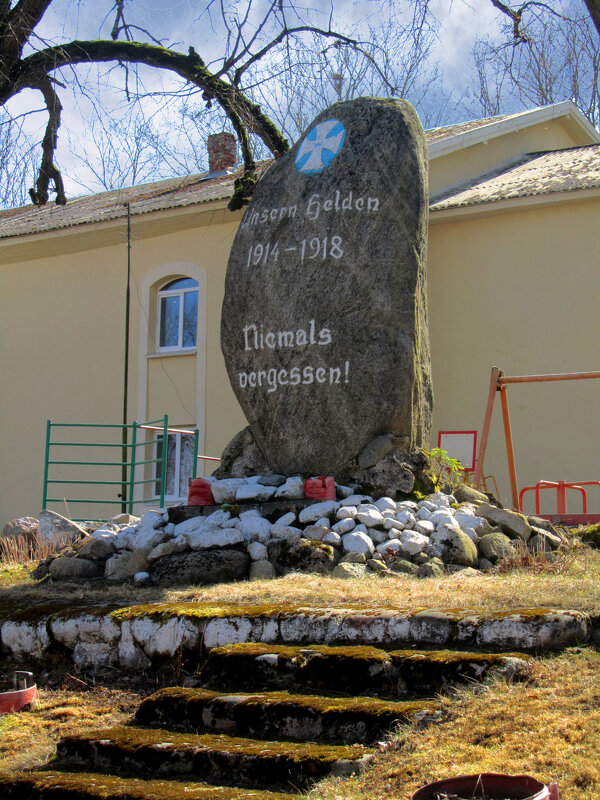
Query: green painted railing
point(130, 444)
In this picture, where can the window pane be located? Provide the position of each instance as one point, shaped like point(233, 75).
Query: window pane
point(181, 283)
point(186, 464)
point(169, 321)
point(190, 318)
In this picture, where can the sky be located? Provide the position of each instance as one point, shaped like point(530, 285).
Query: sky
point(177, 24)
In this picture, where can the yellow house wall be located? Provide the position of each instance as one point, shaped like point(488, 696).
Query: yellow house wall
point(456, 167)
point(520, 291)
point(62, 318)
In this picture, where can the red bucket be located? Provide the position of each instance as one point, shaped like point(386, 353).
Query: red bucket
point(491, 786)
point(200, 493)
point(322, 488)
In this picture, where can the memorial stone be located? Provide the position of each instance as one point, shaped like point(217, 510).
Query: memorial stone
point(324, 323)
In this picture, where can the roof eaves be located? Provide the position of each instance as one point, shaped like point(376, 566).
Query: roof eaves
point(514, 122)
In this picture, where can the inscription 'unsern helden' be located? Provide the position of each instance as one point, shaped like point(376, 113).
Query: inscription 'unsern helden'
point(314, 208)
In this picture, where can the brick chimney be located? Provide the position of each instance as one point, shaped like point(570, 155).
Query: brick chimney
point(222, 151)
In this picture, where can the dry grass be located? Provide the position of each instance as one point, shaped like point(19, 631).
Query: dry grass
point(572, 582)
point(549, 728)
point(28, 738)
point(22, 551)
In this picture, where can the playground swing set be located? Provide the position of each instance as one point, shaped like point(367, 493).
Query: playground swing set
point(499, 384)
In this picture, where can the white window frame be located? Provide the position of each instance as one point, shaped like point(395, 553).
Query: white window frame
point(157, 465)
point(181, 294)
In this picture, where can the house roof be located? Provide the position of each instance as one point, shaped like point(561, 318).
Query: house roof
point(544, 174)
point(573, 169)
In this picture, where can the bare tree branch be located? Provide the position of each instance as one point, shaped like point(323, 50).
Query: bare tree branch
point(48, 170)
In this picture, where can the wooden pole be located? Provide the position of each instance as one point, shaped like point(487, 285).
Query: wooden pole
point(494, 378)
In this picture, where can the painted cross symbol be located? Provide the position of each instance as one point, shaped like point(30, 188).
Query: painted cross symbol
point(320, 147)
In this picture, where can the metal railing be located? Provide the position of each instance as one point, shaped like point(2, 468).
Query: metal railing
point(130, 445)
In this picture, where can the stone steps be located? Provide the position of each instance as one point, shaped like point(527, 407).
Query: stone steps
point(96, 786)
point(276, 711)
point(218, 758)
point(279, 715)
point(358, 670)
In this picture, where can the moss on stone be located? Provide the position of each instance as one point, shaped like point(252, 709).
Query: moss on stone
point(590, 535)
point(95, 786)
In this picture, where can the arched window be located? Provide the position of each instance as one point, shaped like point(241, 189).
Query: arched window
point(178, 314)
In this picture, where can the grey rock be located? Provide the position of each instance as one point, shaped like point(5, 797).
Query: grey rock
point(459, 571)
point(420, 558)
point(74, 569)
point(254, 493)
point(292, 489)
point(177, 545)
point(484, 564)
point(344, 526)
point(142, 579)
point(354, 558)
point(390, 546)
point(332, 538)
point(356, 542)
point(125, 564)
point(343, 491)
point(221, 537)
point(288, 349)
point(511, 522)
point(56, 529)
point(495, 546)
point(455, 547)
point(286, 519)
point(541, 543)
point(200, 567)
point(27, 527)
point(98, 547)
point(124, 519)
point(414, 542)
point(273, 480)
point(317, 510)
point(553, 540)
point(354, 500)
point(390, 476)
point(258, 551)
point(301, 556)
point(261, 570)
point(225, 490)
point(315, 532)
point(369, 515)
point(254, 527)
point(347, 512)
point(375, 451)
point(349, 570)
point(404, 566)
point(431, 569)
point(288, 532)
point(466, 494)
point(377, 567)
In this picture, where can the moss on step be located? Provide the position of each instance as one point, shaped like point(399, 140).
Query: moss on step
point(355, 670)
point(219, 758)
point(95, 786)
point(278, 715)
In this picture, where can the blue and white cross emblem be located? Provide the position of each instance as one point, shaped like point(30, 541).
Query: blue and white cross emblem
point(320, 147)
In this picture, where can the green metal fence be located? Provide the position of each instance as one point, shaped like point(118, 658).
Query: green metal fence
point(133, 455)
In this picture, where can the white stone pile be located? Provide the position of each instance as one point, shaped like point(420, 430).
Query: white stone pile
point(425, 538)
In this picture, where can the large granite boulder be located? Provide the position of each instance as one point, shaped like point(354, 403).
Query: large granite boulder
point(324, 323)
